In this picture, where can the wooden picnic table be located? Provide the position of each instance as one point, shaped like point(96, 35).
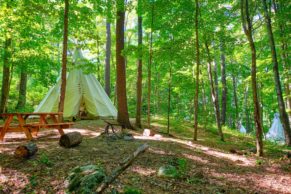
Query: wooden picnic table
point(42, 121)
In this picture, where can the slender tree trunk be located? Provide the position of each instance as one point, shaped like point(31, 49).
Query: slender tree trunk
point(22, 90)
point(107, 59)
point(98, 57)
point(197, 72)
point(169, 97)
point(246, 108)
point(235, 98)
point(214, 94)
point(247, 26)
point(139, 69)
point(64, 58)
point(223, 81)
point(149, 71)
point(283, 114)
point(122, 117)
point(6, 75)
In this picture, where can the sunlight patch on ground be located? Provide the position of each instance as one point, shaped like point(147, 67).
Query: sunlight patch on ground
point(143, 171)
point(239, 160)
point(196, 158)
point(10, 178)
point(265, 182)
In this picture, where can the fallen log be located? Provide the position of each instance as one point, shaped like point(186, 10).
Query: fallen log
point(122, 167)
point(69, 140)
point(26, 151)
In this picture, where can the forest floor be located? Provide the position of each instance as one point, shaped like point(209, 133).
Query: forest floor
point(209, 167)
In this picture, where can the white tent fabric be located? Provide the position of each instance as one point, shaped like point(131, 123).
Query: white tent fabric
point(82, 91)
point(276, 132)
point(242, 129)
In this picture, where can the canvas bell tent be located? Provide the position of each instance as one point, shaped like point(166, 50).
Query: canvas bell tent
point(276, 132)
point(83, 94)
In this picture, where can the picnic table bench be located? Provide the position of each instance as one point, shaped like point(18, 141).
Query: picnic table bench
point(42, 121)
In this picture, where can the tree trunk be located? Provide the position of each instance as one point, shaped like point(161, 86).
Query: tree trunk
point(223, 81)
point(98, 57)
point(235, 98)
point(284, 54)
point(247, 26)
point(122, 116)
point(64, 59)
point(169, 97)
point(150, 71)
point(26, 151)
point(107, 59)
point(214, 94)
point(72, 139)
point(197, 72)
point(283, 114)
point(139, 69)
point(22, 90)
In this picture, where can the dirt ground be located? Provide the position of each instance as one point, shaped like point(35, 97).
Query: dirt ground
point(210, 168)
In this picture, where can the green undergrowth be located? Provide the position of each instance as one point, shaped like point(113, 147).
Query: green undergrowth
point(209, 136)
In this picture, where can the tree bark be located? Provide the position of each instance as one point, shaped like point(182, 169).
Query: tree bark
point(197, 72)
point(6, 75)
point(283, 114)
point(22, 90)
point(235, 98)
point(107, 59)
point(169, 97)
point(139, 69)
point(69, 140)
point(214, 94)
point(26, 151)
point(150, 71)
point(248, 30)
point(122, 116)
point(223, 81)
point(64, 59)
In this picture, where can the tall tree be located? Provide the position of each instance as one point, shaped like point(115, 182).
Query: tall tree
point(223, 82)
point(283, 114)
point(107, 58)
point(149, 68)
point(122, 116)
point(248, 30)
point(197, 71)
point(22, 89)
point(64, 58)
point(213, 93)
point(139, 68)
point(6, 75)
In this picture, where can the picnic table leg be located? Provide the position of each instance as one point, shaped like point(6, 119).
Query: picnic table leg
point(24, 129)
point(5, 127)
point(55, 120)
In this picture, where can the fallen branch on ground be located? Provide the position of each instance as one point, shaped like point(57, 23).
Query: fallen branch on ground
point(123, 166)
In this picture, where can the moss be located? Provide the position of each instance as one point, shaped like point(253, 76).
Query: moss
point(85, 179)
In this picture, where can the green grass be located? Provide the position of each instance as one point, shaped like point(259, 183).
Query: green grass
point(209, 136)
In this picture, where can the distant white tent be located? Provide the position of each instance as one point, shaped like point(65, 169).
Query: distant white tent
point(276, 132)
point(242, 129)
point(83, 92)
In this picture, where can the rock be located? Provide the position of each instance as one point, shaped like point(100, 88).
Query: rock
point(148, 133)
point(128, 137)
point(85, 179)
point(168, 171)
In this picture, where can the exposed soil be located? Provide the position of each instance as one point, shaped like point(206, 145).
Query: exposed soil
point(208, 169)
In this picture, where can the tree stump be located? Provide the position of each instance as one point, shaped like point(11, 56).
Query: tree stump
point(26, 151)
point(72, 139)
